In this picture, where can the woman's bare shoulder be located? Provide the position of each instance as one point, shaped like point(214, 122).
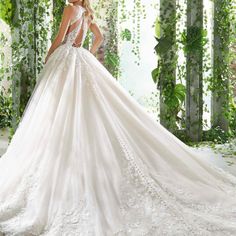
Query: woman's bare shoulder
point(69, 9)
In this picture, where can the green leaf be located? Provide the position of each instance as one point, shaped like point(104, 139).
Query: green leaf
point(179, 92)
point(158, 28)
point(155, 74)
point(126, 35)
point(164, 44)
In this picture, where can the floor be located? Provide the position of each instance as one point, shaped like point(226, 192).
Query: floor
point(228, 164)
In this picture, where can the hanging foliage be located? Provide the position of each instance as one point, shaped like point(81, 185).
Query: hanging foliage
point(5, 109)
point(135, 15)
point(58, 6)
point(110, 9)
point(29, 30)
point(107, 13)
point(6, 11)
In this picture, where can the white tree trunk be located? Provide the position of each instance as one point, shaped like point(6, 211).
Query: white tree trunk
point(194, 98)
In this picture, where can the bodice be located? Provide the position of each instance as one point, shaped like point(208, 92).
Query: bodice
point(82, 27)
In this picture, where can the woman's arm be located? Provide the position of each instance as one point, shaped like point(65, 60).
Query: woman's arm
point(98, 37)
point(66, 17)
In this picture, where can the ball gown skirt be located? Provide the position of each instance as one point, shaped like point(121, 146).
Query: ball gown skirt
point(87, 160)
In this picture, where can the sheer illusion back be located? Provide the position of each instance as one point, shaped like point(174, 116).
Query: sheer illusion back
point(79, 31)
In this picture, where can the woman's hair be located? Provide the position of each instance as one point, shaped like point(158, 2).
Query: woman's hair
point(86, 4)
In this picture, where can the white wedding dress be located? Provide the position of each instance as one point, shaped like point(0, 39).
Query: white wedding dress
point(87, 160)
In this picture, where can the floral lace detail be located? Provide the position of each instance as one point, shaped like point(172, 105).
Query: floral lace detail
point(12, 211)
point(92, 87)
point(167, 213)
point(163, 213)
point(77, 221)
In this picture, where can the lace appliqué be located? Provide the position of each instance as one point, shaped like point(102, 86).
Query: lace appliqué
point(76, 221)
point(14, 209)
point(149, 208)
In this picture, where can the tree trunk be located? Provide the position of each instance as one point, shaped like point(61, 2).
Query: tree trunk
point(220, 86)
point(194, 88)
point(167, 61)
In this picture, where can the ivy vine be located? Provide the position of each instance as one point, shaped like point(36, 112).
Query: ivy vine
point(220, 83)
point(7, 11)
point(29, 33)
point(172, 94)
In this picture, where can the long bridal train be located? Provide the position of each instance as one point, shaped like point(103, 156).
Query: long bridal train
point(87, 159)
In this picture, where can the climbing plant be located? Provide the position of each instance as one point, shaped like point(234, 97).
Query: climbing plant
point(5, 109)
point(110, 9)
point(108, 13)
point(6, 14)
point(30, 37)
point(193, 41)
point(58, 6)
point(223, 103)
point(7, 11)
point(172, 94)
point(5, 93)
point(29, 31)
point(232, 72)
point(135, 15)
point(220, 79)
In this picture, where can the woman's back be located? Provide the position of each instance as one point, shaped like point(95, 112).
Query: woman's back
point(78, 27)
point(76, 20)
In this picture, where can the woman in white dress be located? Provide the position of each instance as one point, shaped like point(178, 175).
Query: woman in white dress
point(86, 159)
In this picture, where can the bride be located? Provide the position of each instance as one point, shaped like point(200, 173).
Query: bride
point(87, 160)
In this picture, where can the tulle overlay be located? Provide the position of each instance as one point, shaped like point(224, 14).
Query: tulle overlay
point(88, 160)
